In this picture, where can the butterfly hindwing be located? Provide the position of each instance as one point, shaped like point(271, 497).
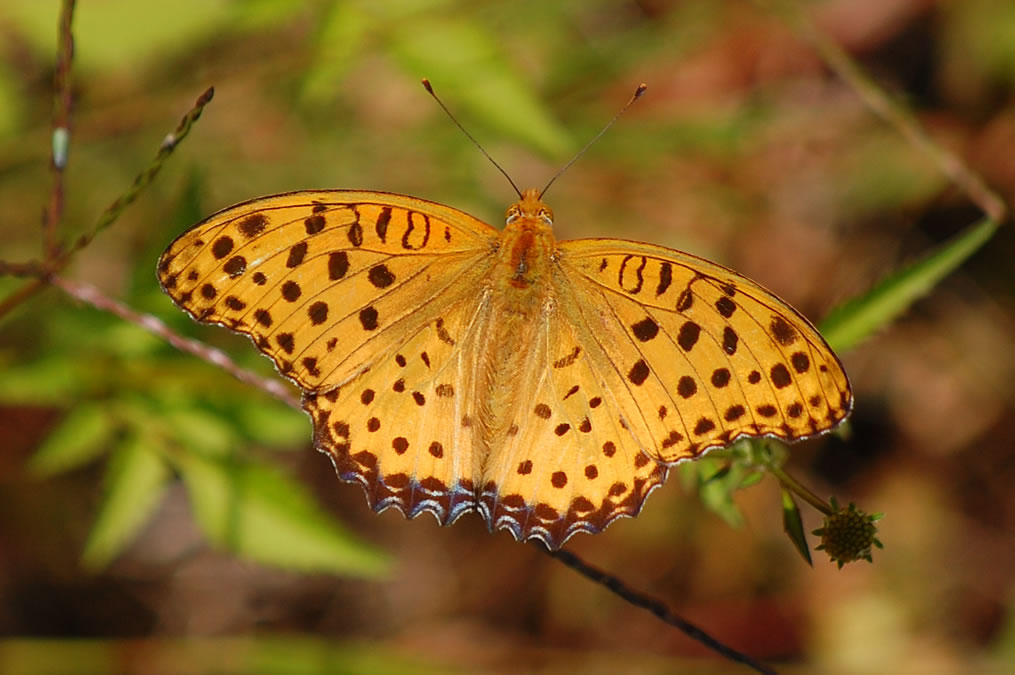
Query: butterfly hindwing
point(404, 429)
point(570, 462)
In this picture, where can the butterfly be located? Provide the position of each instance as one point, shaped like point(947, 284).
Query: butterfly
point(449, 367)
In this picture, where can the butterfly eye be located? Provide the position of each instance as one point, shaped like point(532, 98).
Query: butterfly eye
point(546, 216)
point(512, 215)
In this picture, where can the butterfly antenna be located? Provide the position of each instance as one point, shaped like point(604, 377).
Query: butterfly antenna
point(429, 89)
point(637, 94)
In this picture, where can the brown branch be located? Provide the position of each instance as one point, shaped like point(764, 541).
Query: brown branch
point(53, 214)
point(21, 295)
point(91, 295)
point(660, 610)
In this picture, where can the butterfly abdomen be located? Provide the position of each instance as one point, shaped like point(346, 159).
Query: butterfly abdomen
point(520, 292)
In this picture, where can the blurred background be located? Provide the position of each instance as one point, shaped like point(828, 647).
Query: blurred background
point(158, 516)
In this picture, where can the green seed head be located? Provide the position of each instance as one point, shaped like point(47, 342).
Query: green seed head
point(848, 535)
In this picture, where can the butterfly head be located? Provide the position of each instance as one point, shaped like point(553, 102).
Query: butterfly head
point(530, 207)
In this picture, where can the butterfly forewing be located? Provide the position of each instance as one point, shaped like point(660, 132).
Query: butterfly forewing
point(708, 355)
point(325, 282)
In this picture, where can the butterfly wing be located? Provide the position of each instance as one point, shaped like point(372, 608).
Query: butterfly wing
point(569, 463)
point(325, 282)
point(360, 298)
point(650, 356)
point(404, 430)
point(707, 356)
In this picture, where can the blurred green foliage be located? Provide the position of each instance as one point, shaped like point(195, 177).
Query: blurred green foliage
point(315, 94)
point(153, 433)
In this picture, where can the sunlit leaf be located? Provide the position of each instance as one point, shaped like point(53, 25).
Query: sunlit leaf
point(83, 435)
point(273, 424)
point(859, 318)
point(463, 60)
point(134, 486)
point(50, 380)
point(202, 430)
point(254, 511)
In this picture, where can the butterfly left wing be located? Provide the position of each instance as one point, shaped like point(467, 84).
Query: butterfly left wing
point(405, 429)
point(365, 300)
point(325, 281)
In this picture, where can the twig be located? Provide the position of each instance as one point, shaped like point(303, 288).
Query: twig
point(894, 114)
point(801, 490)
point(656, 607)
point(112, 212)
point(21, 295)
point(32, 268)
point(53, 214)
point(143, 179)
point(96, 298)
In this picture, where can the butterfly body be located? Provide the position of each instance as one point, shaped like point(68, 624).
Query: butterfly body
point(449, 367)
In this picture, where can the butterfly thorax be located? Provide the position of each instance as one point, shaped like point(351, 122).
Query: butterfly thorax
point(527, 246)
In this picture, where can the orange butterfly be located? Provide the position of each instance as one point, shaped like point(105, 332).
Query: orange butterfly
point(449, 367)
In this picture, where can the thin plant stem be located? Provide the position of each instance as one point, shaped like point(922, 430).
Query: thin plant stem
point(795, 486)
point(93, 296)
point(896, 115)
point(53, 214)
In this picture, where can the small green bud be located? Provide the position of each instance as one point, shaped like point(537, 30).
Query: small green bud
point(848, 534)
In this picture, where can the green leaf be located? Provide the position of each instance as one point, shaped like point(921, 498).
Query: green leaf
point(793, 525)
point(719, 500)
point(859, 318)
point(50, 380)
point(339, 39)
point(719, 475)
point(83, 435)
point(205, 431)
point(980, 35)
point(880, 171)
point(13, 104)
point(130, 341)
point(254, 511)
point(273, 423)
point(751, 479)
point(119, 33)
point(465, 62)
point(134, 486)
point(716, 481)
